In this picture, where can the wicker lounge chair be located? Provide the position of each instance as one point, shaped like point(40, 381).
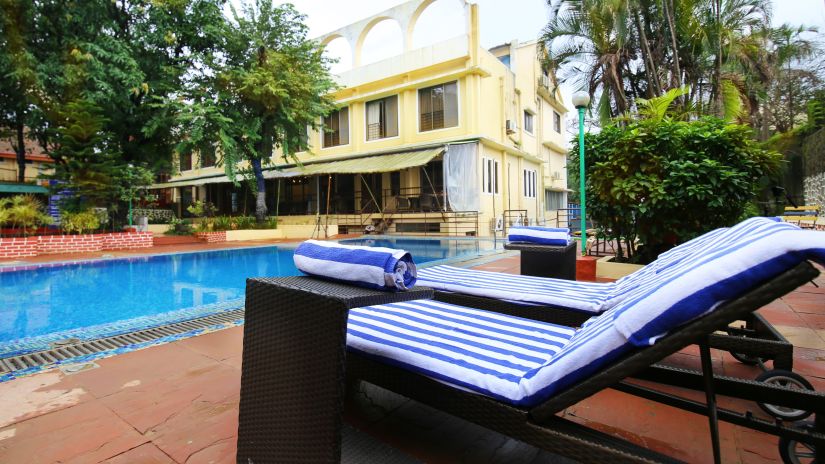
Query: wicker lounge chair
point(295, 364)
point(304, 338)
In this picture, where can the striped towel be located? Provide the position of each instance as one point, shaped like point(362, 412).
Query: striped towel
point(371, 267)
point(540, 235)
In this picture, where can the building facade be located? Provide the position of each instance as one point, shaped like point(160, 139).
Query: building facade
point(38, 164)
point(446, 137)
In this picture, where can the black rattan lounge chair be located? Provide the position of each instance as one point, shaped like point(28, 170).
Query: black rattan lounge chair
point(296, 364)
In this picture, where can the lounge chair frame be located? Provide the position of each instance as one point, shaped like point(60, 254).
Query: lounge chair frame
point(295, 367)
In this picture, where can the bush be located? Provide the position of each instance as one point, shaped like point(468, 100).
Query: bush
point(24, 213)
point(222, 223)
point(665, 182)
point(79, 222)
point(244, 222)
point(179, 227)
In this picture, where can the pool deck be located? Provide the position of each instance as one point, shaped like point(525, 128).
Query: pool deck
point(178, 403)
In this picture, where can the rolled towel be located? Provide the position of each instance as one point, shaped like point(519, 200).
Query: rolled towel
point(371, 267)
point(540, 235)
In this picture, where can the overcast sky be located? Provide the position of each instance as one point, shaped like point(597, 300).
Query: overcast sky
point(500, 21)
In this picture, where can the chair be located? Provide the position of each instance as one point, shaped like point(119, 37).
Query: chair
point(572, 303)
point(803, 216)
point(297, 357)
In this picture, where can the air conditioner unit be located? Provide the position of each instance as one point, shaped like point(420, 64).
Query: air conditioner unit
point(510, 126)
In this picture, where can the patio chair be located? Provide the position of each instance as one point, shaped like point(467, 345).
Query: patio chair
point(571, 303)
point(299, 351)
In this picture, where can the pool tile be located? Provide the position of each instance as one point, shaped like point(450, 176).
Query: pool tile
point(87, 432)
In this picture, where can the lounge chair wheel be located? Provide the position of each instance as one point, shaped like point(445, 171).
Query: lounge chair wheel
point(797, 452)
point(786, 379)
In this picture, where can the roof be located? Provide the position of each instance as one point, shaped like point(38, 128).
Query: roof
point(29, 157)
point(33, 150)
point(9, 187)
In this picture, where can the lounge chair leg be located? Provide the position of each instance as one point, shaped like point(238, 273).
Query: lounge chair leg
point(710, 395)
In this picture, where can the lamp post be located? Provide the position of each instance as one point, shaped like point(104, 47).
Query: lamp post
point(130, 193)
point(581, 100)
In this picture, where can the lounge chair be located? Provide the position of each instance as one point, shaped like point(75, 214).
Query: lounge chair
point(572, 303)
point(298, 356)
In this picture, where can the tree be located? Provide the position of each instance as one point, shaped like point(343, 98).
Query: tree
point(269, 84)
point(666, 181)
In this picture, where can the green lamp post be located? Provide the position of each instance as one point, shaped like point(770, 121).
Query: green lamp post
point(130, 193)
point(581, 100)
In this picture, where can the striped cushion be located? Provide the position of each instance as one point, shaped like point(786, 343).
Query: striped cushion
point(540, 235)
point(585, 297)
point(737, 260)
point(516, 360)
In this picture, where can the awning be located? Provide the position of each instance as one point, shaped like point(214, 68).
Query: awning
point(365, 165)
point(361, 165)
point(22, 188)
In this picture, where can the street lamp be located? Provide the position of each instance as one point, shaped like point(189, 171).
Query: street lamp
point(131, 166)
point(581, 100)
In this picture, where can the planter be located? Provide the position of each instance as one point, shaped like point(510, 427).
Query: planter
point(607, 269)
point(211, 237)
point(50, 244)
point(253, 234)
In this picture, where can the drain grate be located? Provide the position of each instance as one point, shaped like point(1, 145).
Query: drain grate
point(63, 352)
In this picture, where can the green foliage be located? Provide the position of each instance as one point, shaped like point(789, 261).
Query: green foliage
point(222, 223)
point(179, 227)
point(24, 213)
point(666, 182)
point(202, 209)
point(79, 222)
point(657, 108)
point(270, 83)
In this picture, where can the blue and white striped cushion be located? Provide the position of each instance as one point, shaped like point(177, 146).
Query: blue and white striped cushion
point(739, 259)
point(516, 360)
point(540, 235)
point(585, 297)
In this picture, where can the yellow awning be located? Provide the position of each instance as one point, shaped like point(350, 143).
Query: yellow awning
point(365, 165)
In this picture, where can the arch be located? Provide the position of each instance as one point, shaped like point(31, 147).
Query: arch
point(338, 47)
point(438, 21)
point(381, 38)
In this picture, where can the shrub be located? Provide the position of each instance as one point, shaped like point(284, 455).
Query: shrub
point(24, 213)
point(244, 222)
point(665, 182)
point(79, 222)
point(222, 223)
point(179, 227)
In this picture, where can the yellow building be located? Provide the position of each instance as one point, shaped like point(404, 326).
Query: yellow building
point(447, 137)
point(37, 165)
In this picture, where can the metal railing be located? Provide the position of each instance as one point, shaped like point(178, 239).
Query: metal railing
point(437, 223)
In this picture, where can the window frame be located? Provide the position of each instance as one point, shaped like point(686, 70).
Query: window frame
point(530, 183)
point(324, 129)
point(528, 116)
point(457, 108)
point(397, 119)
point(557, 122)
point(486, 172)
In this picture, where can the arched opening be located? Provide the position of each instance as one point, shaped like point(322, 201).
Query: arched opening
point(384, 40)
point(339, 49)
point(440, 20)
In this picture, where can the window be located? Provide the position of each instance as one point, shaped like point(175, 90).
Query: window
point(554, 200)
point(186, 161)
point(382, 118)
point(528, 122)
point(557, 122)
point(489, 173)
point(336, 128)
point(438, 107)
point(208, 157)
point(529, 179)
point(505, 59)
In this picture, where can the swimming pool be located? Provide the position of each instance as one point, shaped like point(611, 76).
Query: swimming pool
point(45, 303)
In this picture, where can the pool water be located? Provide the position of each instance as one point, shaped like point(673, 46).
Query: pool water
point(99, 298)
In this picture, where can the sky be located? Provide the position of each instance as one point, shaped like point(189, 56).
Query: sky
point(500, 21)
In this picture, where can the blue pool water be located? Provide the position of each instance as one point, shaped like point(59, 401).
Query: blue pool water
point(99, 298)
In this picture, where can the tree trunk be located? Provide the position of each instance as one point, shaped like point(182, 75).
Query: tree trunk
point(655, 87)
point(20, 150)
point(260, 192)
point(717, 65)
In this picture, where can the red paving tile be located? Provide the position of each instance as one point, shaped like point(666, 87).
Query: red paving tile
point(177, 403)
point(146, 453)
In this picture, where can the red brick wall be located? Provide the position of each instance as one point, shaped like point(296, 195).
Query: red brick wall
point(50, 244)
point(18, 247)
point(212, 237)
